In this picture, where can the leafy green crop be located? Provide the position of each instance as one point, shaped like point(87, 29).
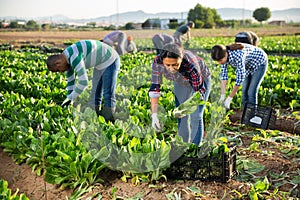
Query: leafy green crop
point(5, 192)
point(271, 45)
point(189, 106)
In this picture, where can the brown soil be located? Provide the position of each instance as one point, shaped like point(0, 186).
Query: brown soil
point(22, 177)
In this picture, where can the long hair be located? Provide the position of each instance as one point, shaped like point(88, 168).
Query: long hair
point(218, 51)
point(235, 46)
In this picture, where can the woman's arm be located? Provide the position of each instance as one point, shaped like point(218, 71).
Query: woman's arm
point(154, 105)
point(234, 91)
point(223, 86)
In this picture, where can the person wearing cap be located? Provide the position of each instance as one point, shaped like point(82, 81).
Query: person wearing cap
point(250, 63)
point(189, 74)
point(119, 41)
point(83, 55)
point(161, 39)
point(130, 46)
point(247, 37)
point(183, 30)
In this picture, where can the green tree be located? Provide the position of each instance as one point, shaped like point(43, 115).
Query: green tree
point(92, 24)
point(129, 26)
point(262, 14)
point(232, 23)
point(14, 24)
point(199, 23)
point(209, 18)
point(32, 25)
point(204, 17)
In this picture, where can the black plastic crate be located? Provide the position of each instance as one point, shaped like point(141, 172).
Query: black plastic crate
point(259, 116)
point(218, 168)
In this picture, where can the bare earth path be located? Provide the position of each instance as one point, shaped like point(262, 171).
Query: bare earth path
point(22, 177)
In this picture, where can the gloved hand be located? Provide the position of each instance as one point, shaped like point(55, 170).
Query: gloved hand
point(222, 98)
point(155, 122)
point(227, 103)
point(66, 102)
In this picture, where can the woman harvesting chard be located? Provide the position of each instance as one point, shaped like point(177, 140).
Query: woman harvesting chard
point(251, 64)
point(190, 76)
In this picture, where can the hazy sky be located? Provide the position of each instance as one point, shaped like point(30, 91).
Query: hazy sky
point(97, 8)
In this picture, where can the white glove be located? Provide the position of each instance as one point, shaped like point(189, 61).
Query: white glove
point(222, 98)
point(227, 103)
point(155, 122)
point(66, 102)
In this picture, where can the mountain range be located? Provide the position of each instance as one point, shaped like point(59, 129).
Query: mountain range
point(288, 15)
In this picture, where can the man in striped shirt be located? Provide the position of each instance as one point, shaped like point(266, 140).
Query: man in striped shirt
point(79, 57)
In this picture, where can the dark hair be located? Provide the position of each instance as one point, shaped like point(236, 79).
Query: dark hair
point(235, 46)
point(172, 50)
point(51, 61)
point(219, 51)
point(247, 37)
point(191, 24)
point(244, 37)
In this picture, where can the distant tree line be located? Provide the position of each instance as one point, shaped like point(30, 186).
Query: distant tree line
point(203, 17)
point(29, 25)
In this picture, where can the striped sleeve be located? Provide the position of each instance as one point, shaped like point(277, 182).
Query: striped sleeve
point(76, 59)
point(70, 82)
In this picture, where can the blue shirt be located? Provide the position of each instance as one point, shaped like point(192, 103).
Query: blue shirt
point(246, 61)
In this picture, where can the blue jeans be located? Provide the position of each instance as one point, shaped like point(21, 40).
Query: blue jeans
point(104, 84)
point(252, 83)
point(191, 127)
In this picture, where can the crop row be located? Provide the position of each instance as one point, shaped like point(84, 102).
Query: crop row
point(271, 45)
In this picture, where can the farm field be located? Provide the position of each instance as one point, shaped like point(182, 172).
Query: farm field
point(57, 38)
point(64, 149)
